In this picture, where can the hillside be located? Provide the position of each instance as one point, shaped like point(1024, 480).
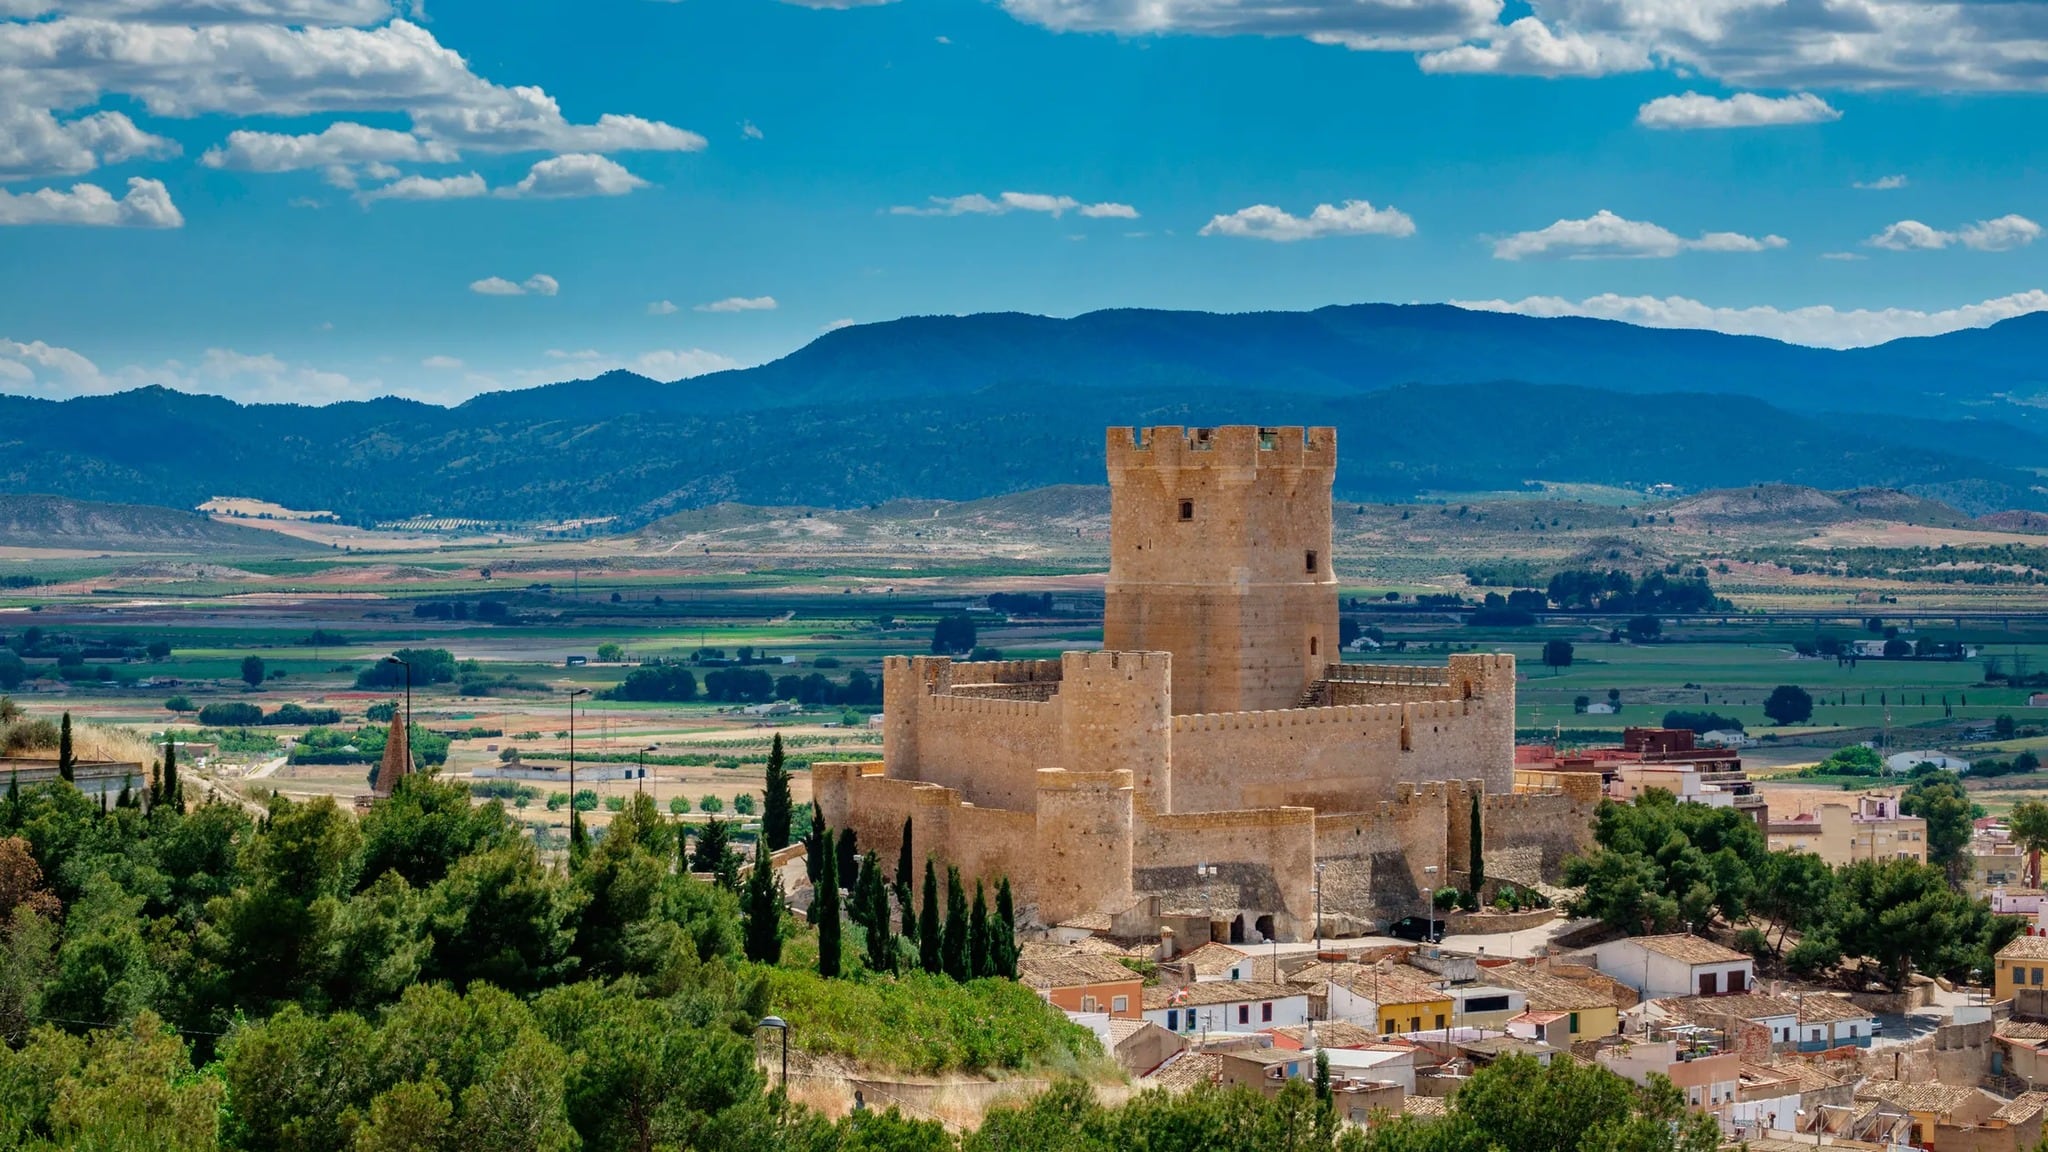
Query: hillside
point(41, 521)
point(972, 407)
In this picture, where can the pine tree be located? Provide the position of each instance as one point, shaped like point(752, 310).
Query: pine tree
point(928, 921)
point(1003, 933)
point(904, 878)
point(881, 951)
point(127, 797)
point(761, 934)
point(714, 854)
point(825, 910)
point(775, 809)
point(814, 844)
point(174, 791)
point(953, 944)
point(13, 800)
point(1324, 1096)
point(977, 936)
point(67, 764)
point(1478, 858)
point(156, 784)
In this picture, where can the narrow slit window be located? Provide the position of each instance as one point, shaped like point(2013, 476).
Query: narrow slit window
point(1312, 558)
point(1187, 509)
point(1313, 641)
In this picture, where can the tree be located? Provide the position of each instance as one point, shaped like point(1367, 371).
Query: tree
point(609, 653)
point(1660, 865)
point(714, 854)
point(775, 803)
point(881, 942)
point(1905, 915)
point(745, 804)
point(762, 933)
point(158, 650)
point(814, 844)
point(825, 908)
point(1643, 629)
point(978, 961)
point(180, 704)
point(2028, 823)
point(67, 761)
point(953, 635)
point(252, 671)
point(928, 927)
point(1795, 892)
point(1788, 704)
point(849, 859)
point(1003, 933)
point(1324, 1096)
point(1557, 654)
point(1939, 799)
point(953, 958)
point(1478, 865)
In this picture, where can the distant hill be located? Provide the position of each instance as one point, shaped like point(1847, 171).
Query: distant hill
point(42, 521)
point(962, 408)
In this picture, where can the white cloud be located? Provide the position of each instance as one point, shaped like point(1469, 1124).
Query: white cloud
point(441, 363)
point(740, 304)
point(1605, 235)
point(1742, 110)
point(147, 205)
point(345, 150)
point(1882, 184)
point(659, 364)
point(836, 325)
point(467, 187)
point(1821, 326)
point(538, 284)
point(838, 5)
point(2000, 235)
point(48, 370)
point(576, 174)
point(662, 308)
point(1528, 47)
point(976, 204)
point(34, 143)
point(1404, 25)
point(331, 12)
point(748, 130)
point(1355, 218)
point(1843, 256)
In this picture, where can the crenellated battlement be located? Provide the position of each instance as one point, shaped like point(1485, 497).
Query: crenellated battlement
point(1004, 671)
point(1107, 661)
point(1364, 715)
point(1227, 446)
point(947, 704)
point(1063, 780)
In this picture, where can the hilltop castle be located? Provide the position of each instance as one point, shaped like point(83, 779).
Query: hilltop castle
point(1217, 726)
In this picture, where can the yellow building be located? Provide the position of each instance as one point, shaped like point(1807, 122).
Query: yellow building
point(1592, 1015)
point(1867, 827)
point(2021, 964)
point(1395, 1002)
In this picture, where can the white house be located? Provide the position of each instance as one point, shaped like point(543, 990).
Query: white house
point(1225, 1006)
point(1675, 965)
point(1725, 738)
point(1901, 763)
point(1213, 961)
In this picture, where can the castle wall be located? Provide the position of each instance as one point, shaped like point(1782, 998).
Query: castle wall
point(1220, 545)
point(1116, 715)
point(1083, 850)
point(987, 749)
point(1265, 863)
point(984, 843)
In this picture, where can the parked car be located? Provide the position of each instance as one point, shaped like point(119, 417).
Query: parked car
point(1418, 928)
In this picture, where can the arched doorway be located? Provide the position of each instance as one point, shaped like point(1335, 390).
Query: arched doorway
point(1265, 926)
point(1237, 929)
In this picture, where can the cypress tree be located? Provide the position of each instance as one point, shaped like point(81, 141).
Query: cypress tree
point(714, 854)
point(1324, 1096)
point(1478, 869)
point(953, 945)
point(977, 936)
point(928, 921)
point(174, 791)
point(156, 784)
point(825, 910)
point(814, 844)
point(849, 861)
point(904, 879)
point(67, 764)
point(1003, 933)
point(881, 951)
point(775, 810)
point(14, 799)
point(127, 797)
point(761, 934)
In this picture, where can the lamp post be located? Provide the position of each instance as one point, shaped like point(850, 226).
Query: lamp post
point(782, 1026)
point(1206, 873)
point(642, 783)
point(575, 822)
point(1429, 870)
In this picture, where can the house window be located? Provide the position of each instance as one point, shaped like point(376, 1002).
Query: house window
point(2037, 975)
point(1311, 558)
point(1736, 980)
point(1173, 1019)
point(1266, 1013)
point(1120, 1004)
point(1244, 1013)
point(1389, 1029)
point(1575, 1023)
point(1087, 1003)
point(1415, 1023)
point(1487, 1004)
point(1187, 509)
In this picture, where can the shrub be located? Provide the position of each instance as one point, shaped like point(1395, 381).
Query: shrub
point(556, 800)
point(1752, 941)
point(678, 805)
point(615, 803)
point(236, 715)
point(710, 803)
point(180, 704)
point(586, 800)
point(1446, 898)
point(744, 803)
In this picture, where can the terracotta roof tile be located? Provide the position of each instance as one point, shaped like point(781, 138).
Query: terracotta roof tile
point(1210, 992)
point(1690, 949)
point(1073, 970)
point(1212, 959)
point(2025, 948)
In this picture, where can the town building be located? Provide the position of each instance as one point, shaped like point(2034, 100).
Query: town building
point(1588, 1015)
point(1674, 760)
point(1075, 981)
point(1675, 965)
point(2022, 964)
point(1215, 754)
point(1867, 826)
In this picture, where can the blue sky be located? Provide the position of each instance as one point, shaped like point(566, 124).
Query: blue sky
point(525, 191)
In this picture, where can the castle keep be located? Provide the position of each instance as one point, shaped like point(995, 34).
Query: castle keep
point(1217, 726)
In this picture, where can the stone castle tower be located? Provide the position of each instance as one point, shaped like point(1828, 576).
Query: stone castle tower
point(1220, 555)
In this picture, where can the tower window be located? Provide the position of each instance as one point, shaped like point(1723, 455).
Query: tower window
point(1311, 558)
point(1312, 641)
point(1187, 509)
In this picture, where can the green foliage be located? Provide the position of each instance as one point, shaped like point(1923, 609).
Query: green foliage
point(1660, 865)
point(1854, 760)
point(764, 909)
point(67, 760)
point(953, 635)
point(429, 666)
point(744, 804)
point(929, 928)
point(1557, 654)
point(1939, 799)
point(1904, 915)
point(666, 682)
point(252, 671)
point(1788, 704)
point(953, 956)
point(180, 703)
point(825, 908)
point(775, 801)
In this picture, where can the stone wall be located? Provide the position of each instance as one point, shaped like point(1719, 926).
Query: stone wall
point(987, 749)
point(1083, 844)
point(1265, 862)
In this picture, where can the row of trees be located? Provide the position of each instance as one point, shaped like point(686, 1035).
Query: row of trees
point(673, 682)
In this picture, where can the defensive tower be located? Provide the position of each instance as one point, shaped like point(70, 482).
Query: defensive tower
point(1220, 555)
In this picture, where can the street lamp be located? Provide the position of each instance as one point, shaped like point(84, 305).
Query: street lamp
point(1429, 870)
point(575, 823)
point(1316, 890)
point(782, 1026)
point(1206, 873)
point(643, 766)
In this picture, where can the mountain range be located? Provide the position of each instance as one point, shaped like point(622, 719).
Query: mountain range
point(1425, 397)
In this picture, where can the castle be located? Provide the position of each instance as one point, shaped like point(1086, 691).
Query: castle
point(1218, 726)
